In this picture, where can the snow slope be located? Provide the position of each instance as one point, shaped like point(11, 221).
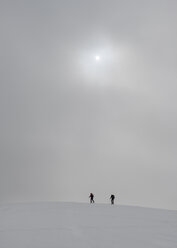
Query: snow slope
point(77, 225)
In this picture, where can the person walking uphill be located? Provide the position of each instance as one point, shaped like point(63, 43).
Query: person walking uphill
point(112, 199)
point(91, 198)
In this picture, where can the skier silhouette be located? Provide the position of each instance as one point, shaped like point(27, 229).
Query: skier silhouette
point(112, 199)
point(91, 198)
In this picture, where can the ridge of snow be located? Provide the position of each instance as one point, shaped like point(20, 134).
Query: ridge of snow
point(81, 225)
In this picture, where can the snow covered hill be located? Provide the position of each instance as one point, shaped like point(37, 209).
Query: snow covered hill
point(77, 225)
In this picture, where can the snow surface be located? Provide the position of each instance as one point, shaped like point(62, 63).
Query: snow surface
point(77, 225)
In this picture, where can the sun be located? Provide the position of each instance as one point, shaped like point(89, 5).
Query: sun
point(97, 57)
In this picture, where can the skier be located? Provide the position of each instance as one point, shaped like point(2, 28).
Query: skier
point(91, 198)
point(112, 199)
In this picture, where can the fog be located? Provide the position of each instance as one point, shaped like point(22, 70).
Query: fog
point(71, 125)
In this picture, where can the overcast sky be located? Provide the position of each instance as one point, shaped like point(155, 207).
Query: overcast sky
point(71, 124)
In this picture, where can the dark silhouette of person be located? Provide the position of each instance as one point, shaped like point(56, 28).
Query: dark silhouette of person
point(91, 198)
point(112, 199)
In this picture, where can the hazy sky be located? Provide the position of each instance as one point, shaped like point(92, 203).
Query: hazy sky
point(71, 124)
